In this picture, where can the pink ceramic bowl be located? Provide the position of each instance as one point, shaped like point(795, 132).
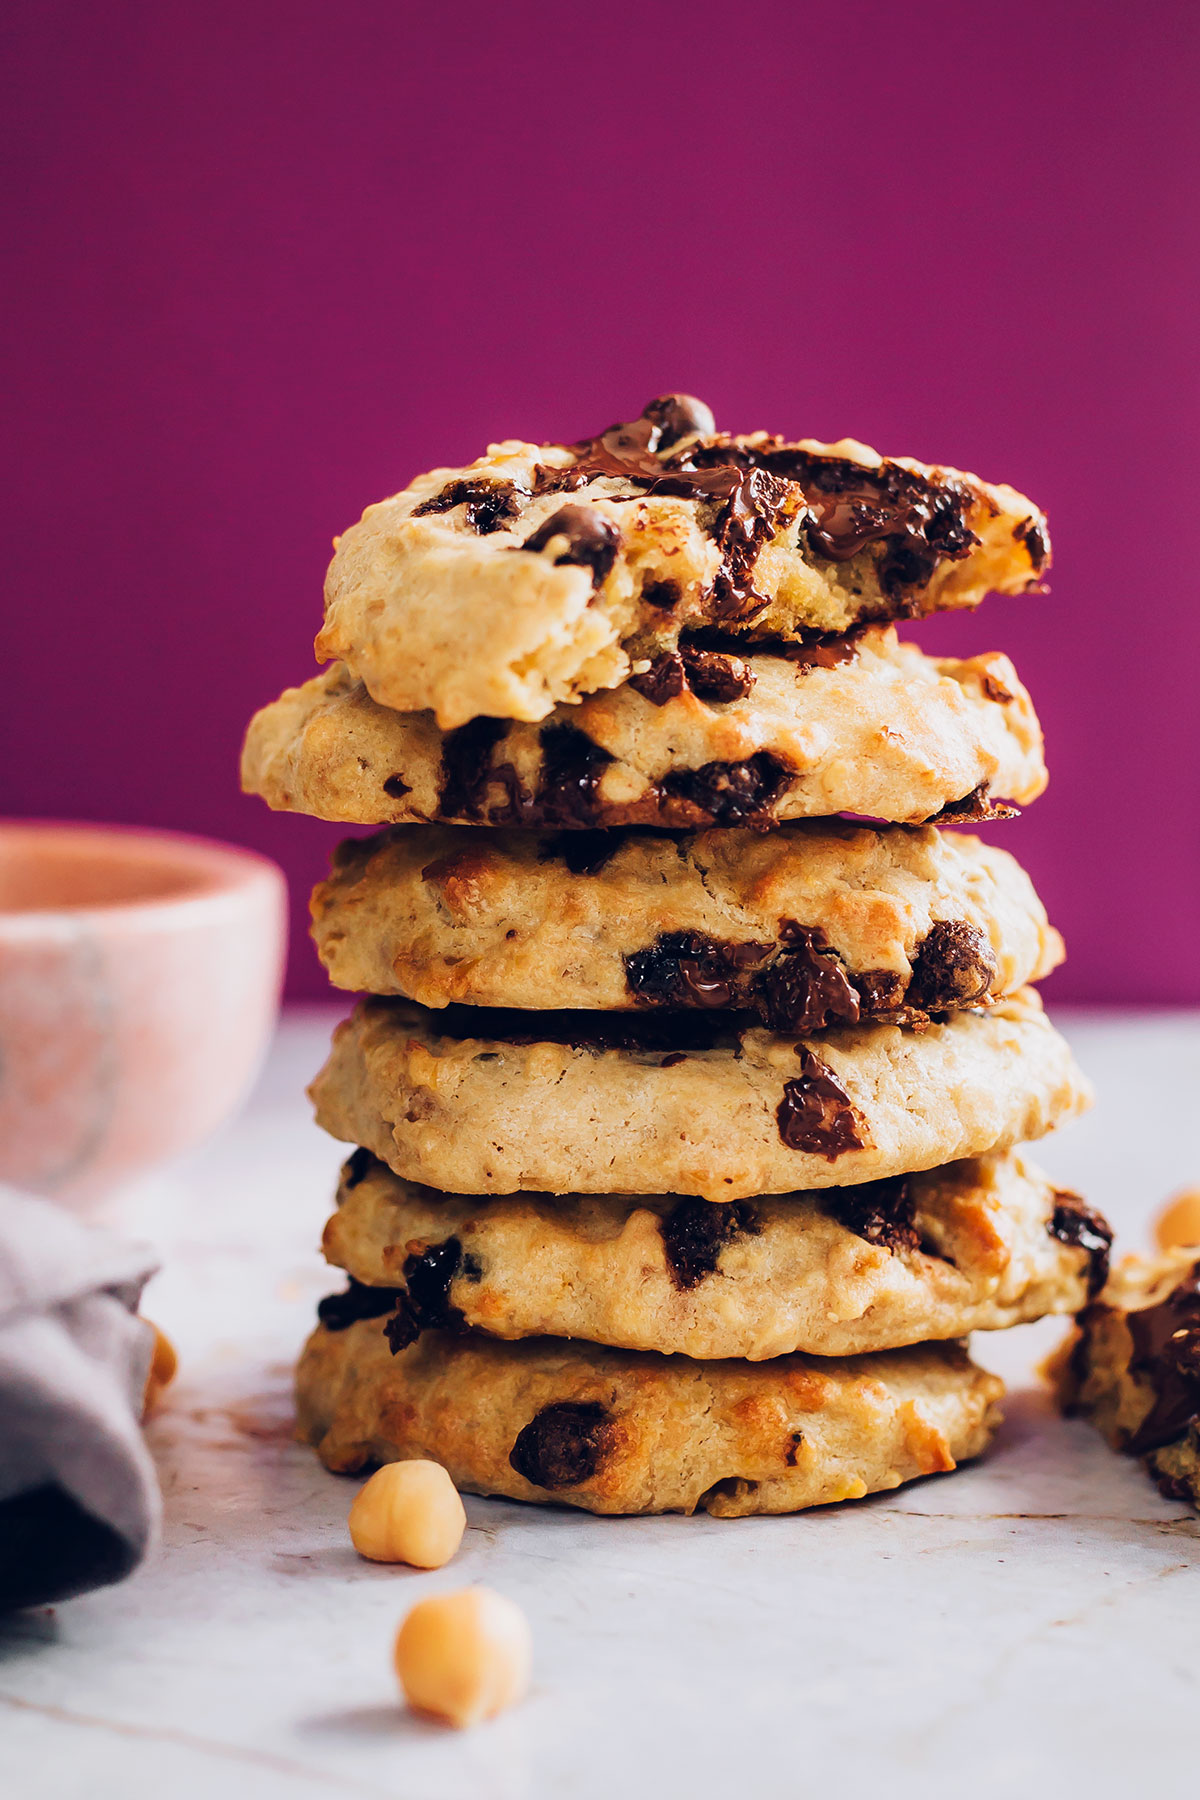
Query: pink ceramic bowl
point(139, 982)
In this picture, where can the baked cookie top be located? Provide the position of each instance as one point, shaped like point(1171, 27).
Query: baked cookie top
point(540, 573)
point(1133, 1366)
point(868, 725)
point(615, 1431)
point(974, 1246)
point(807, 926)
point(476, 1102)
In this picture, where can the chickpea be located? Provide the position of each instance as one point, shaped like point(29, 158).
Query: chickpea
point(161, 1373)
point(464, 1656)
point(408, 1512)
point(1179, 1221)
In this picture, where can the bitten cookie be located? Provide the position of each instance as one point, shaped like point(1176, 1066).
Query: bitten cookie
point(976, 1246)
point(806, 926)
point(540, 573)
point(1133, 1367)
point(472, 1102)
point(874, 728)
point(617, 1432)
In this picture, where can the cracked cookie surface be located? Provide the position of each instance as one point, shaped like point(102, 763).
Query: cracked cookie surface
point(540, 573)
point(875, 728)
point(978, 1245)
point(474, 1102)
point(805, 926)
point(616, 1431)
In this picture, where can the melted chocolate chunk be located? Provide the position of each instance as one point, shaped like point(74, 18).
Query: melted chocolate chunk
point(424, 1302)
point(1166, 1350)
point(806, 988)
point(592, 540)
point(337, 1312)
point(569, 786)
point(975, 808)
point(954, 967)
point(357, 1167)
point(816, 1114)
point(490, 504)
point(731, 793)
point(753, 489)
point(918, 523)
point(882, 1212)
point(665, 595)
point(466, 768)
point(695, 1232)
point(396, 787)
point(803, 987)
point(664, 680)
point(584, 852)
point(711, 675)
point(564, 1444)
point(686, 968)
point(1073, 1221)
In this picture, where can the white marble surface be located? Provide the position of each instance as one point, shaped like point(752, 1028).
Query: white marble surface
point(1028, 1626)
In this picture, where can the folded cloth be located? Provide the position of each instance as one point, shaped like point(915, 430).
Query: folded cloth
point(79, 1500)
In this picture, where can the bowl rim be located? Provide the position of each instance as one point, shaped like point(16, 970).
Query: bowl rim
point(231, 870)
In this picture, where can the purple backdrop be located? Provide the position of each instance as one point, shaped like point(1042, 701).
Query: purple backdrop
point(271, 260)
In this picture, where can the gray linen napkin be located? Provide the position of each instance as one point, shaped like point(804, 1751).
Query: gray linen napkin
point(79, 1500)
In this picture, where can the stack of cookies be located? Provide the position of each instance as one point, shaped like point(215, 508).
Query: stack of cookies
point(686, 1101)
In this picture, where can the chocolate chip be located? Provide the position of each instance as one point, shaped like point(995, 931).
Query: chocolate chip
point(686, 968)
point(337, 1312)
point(592, 541)
point(665, 595)
point(490, 504)
point(793, 1449)
point(731, 793)
point(1166, 1350)
point(678, 416)
point(564, 1444)
point(954, 967)
point(806, 988)
point(664, 680)
point(572, 767)
point(714, 676)
point(816, 1114)
point(424, 1303)
point(882, 1212)
point(396, 787)
point(996, 690)
point(466, 768)
point(357, 1167)
point(695, 1232)
point(1074, 1222)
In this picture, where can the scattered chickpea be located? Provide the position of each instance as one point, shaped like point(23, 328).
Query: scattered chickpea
point(1179, 1221)
point(408, 1512)
point(161, 1373)
point(464, 1656)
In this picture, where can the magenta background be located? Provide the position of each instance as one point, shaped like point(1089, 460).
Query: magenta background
point(270, 260)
